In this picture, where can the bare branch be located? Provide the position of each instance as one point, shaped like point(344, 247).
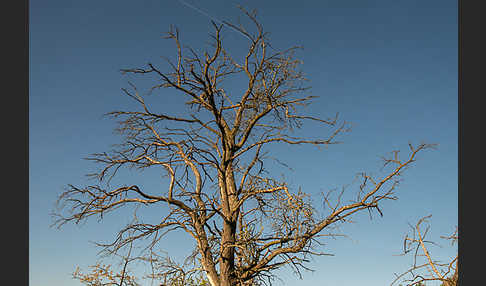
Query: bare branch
point(435, 270)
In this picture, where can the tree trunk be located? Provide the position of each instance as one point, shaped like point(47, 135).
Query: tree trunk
point(228, 239)
point(228, 255)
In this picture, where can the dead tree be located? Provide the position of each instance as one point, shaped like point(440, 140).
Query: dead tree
point(425, 268)
point(245, 222)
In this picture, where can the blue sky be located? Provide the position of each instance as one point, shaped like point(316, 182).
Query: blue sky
point(388, 67)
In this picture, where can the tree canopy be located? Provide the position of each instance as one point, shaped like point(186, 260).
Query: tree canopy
point(245, 221)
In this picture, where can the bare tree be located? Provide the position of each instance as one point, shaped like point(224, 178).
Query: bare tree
point(245, 222)
point(425, 268)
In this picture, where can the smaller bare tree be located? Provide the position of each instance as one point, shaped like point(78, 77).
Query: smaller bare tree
point(424, 268)
point(103, 274)
point(173, 275)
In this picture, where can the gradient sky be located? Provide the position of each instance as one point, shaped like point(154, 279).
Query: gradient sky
point(388, 67)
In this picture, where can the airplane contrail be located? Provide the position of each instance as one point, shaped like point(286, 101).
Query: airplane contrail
point(200, 11)
point(210, 17)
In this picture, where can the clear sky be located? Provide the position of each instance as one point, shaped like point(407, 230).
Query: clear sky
point(389, 67)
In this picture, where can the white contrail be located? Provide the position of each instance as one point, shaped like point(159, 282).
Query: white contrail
point(200, 11)
point(211, 17)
